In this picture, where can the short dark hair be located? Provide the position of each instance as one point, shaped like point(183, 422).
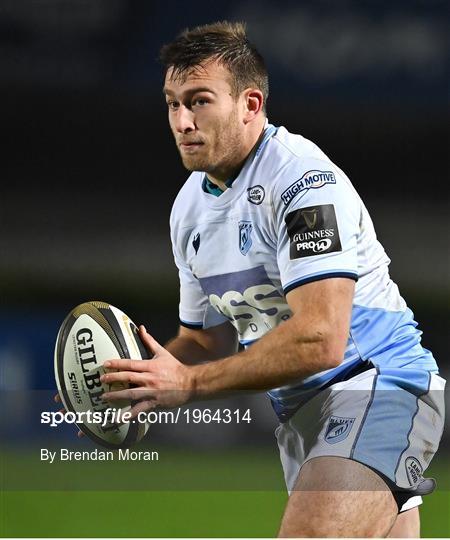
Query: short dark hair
point(225, 42)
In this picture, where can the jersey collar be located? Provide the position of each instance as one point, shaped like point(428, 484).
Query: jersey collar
point(212, 189)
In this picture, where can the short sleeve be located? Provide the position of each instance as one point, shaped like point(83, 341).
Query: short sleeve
point(317, 220)
point(195, 310)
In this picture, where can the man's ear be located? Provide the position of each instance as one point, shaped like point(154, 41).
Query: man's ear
point(253, 103)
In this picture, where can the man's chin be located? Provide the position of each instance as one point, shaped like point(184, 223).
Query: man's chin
point(193, 164)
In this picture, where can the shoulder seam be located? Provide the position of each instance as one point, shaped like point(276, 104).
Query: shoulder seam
point(285, 146)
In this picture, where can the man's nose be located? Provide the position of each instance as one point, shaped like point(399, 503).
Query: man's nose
point(184, 121)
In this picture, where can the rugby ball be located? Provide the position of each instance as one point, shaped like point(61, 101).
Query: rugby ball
point(92, 333)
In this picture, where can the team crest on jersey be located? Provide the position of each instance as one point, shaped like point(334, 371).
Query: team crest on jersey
point(338, 429)
point(245, 236)
point(256, 194)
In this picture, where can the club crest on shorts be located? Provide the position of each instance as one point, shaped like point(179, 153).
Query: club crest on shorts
point(245, 236)
point(338, 429)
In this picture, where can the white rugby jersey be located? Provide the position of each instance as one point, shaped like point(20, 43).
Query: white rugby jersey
point(289, 218)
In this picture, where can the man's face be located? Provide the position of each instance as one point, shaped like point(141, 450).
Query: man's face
point(206, 120)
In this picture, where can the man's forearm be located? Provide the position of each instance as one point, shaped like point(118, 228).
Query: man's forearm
point(188, 351)
point(195, 346)
point(287, 353)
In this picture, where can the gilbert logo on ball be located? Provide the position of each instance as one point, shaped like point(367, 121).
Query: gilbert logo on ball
point(92, 333)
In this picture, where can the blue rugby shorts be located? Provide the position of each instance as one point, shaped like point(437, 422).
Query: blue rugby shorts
point(389, 419)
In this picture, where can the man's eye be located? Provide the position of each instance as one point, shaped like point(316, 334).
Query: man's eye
point(200, 101)
point(172, 105)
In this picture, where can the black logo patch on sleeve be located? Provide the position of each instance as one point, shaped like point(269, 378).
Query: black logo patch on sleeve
point(313, 231)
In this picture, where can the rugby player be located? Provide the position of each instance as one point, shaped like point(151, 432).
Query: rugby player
point(276, 250)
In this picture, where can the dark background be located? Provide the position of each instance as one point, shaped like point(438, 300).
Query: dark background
point(89, 169)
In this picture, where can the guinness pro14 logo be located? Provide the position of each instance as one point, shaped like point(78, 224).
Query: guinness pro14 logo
point(312, 231)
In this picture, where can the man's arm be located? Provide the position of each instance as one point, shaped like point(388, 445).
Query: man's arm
point(312, 340)
point(195, 346)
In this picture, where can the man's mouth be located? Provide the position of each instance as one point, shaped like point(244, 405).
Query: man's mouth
point(188, 142)
point(185, 145)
